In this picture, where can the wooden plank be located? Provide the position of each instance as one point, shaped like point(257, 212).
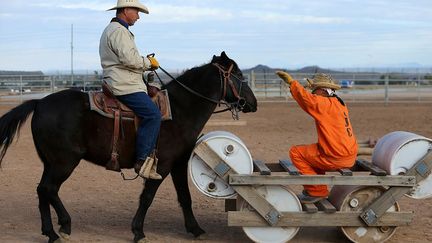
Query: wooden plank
point(259, 203)
point(325, 206)
point(365, 145)
point(374, 211)
point(275, 167)
point(261, 167)
point(379, 207)
point(289, 167)
point(309, 208)
point(370, 143)
point(282, 179)
point(320, 219)
point(345, 172)
point(212, 159)
point(422, 169)
point(230, 205)
point(375, 170)
point(365, 151)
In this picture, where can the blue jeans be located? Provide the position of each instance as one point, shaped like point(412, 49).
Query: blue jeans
point(148, 130)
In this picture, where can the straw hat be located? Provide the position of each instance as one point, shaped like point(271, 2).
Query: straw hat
point(130, 4)
point(321, 80)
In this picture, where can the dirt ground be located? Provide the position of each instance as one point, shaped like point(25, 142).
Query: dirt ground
point(102, 205)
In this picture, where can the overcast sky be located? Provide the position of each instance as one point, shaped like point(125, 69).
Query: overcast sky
point(36, 34)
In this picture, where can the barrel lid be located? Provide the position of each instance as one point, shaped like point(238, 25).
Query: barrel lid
point(233, 151)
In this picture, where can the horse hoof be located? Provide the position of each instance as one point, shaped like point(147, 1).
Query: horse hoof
point(143, 240)
point(61, 240)
point(202, 237)
point(64, 236)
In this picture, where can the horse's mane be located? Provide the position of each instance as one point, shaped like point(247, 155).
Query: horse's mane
point(193, 69)
point(187, 74)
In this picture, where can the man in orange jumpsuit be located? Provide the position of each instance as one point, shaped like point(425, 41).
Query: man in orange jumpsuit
point(336, 147)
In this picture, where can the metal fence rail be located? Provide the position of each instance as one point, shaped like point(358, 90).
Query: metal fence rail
point(357, 87)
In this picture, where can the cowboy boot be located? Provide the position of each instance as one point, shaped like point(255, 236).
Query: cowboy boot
point(153, 170)
point(146, 170)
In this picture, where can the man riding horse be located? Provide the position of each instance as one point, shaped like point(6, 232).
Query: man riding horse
point(123, 69)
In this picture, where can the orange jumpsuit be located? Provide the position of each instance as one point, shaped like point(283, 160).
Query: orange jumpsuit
point(337, 145)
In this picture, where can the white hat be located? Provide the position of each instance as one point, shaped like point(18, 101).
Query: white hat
point(130, 4)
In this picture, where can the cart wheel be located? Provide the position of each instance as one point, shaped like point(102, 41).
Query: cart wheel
point(355, 199)
point(233, 151)
point(283, 200)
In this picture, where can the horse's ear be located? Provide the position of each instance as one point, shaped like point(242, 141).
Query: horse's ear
point(224, 55)
point(214, 59)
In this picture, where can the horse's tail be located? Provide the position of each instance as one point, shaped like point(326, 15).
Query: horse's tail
point(11, 123)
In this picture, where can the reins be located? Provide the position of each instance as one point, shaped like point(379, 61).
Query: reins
point(185, 87)
point(225, 76)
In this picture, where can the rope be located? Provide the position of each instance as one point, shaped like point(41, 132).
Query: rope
point(234, 107)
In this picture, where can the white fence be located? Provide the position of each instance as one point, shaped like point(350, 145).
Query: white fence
point(357, 87)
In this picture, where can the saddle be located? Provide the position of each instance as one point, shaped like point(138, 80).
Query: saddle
point(106, 104)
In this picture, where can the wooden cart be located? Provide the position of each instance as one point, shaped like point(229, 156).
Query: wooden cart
point(363, 199)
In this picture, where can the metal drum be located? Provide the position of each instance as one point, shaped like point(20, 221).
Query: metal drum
point(233, 151)
point(397, 152)
point(284, 200)
point(356, 199)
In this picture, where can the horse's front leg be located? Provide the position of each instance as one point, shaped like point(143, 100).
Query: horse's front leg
point(145, 201)
point(180, 179)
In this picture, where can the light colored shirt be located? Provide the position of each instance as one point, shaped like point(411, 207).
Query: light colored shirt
point(122, 64)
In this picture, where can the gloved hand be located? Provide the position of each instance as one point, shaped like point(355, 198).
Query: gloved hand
point(285, 76)
point(154, 64)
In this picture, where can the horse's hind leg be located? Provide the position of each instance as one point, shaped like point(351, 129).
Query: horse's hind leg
point(44, 209)
point(180, 179)
point(52, 178)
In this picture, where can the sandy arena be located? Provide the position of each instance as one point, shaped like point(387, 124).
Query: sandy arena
point(102, 205)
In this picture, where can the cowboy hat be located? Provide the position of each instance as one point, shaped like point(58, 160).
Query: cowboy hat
point(321, 80)
point(130, 4)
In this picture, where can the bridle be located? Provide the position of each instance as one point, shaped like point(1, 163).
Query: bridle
point(225, 78)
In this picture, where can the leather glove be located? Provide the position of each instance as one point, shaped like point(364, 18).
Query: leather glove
point(154, 64)
point(285, 77)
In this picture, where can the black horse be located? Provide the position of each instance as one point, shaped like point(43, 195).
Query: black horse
point(65, 131)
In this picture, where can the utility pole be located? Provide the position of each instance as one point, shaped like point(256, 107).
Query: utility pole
point(72, 68)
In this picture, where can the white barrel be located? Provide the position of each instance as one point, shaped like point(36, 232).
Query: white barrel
point(230, 148)
point(356, 199)
point(284, 200)
point(397, 152)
